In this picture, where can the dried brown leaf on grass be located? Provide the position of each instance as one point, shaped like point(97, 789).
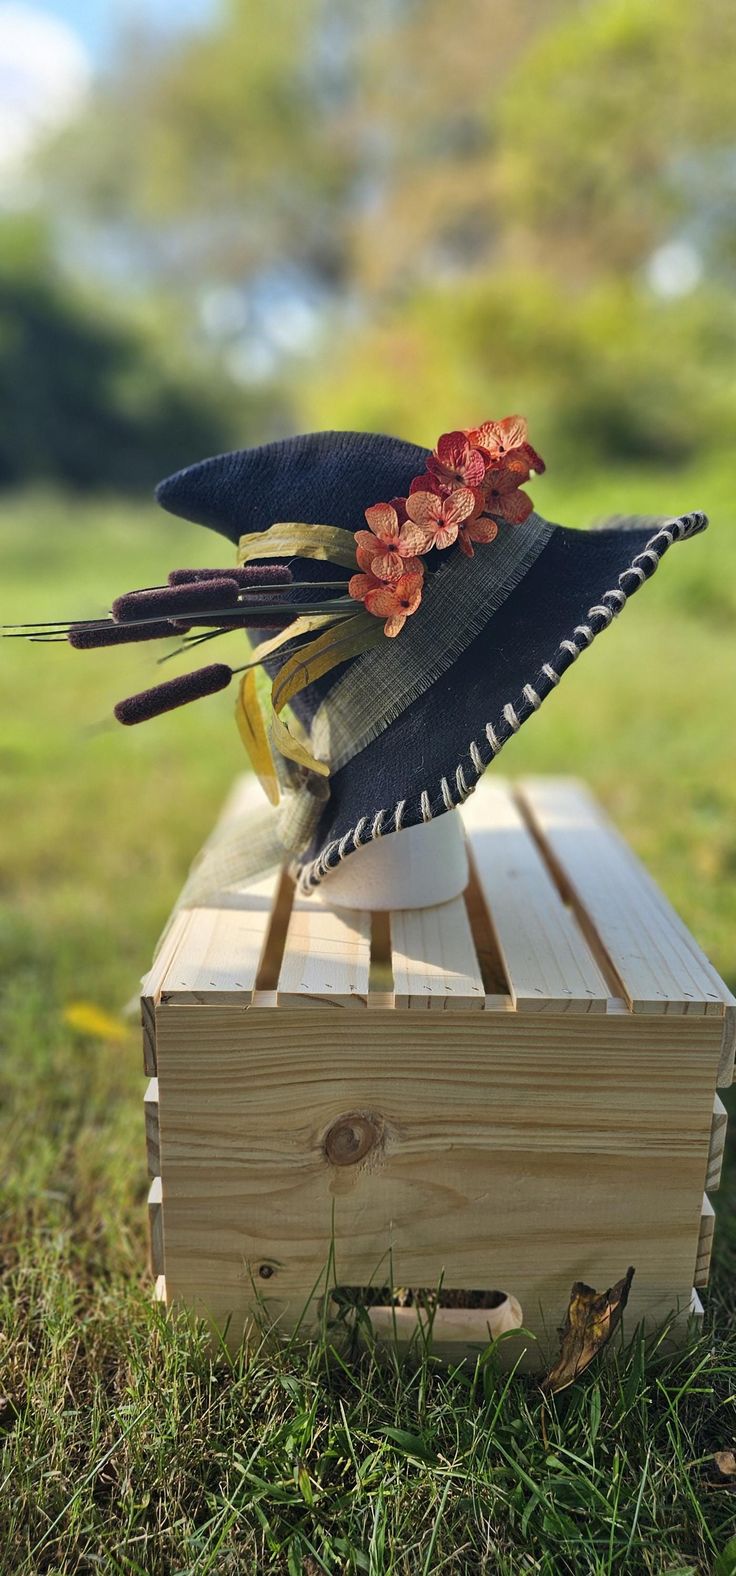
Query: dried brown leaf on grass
point(723, 1468)
point(590, 1321)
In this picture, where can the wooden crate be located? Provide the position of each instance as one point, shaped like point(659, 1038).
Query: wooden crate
point(510, 1092)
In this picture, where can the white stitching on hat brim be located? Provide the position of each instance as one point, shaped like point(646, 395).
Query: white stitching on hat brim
point(515, 714)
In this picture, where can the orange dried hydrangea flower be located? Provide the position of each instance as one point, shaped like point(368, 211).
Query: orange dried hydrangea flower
point(456, 462)
point(383, 549)
point(502, 439)
point(479, 528)
point(395, 601)
point(502, 494)
point(439, 519)
point(471, 486)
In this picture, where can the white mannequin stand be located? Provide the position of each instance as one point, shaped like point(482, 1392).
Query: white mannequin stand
point(414, 868)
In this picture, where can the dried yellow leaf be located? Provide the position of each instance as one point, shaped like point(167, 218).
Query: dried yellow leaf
point(353, 636)
point(253, 732)
point(85, 1018)
point(285, 741)
point(293, 539)
point(590, 1322)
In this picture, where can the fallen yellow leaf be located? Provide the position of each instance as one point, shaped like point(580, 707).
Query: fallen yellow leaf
point(590, 1321)
point(85, 1018)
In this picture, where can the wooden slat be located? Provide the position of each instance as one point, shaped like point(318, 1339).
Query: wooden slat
point(717, 1146)
point(327, 955)
point(215, 952)
point(549, 964)
point(660, 966)
point(155, 1227)
point(153, 1142)
point(434, 960)
point(159, 1290)
point(705, 1243)
point(220, 948)
point(244, 797)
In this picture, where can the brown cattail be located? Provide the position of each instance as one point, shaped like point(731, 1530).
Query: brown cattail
point(119, 634)
point(177, 692)
point(175, 601)
point(245, 574)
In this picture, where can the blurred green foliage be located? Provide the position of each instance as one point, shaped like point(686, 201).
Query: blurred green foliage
point(86, 401)
point(503, 208)
point(606, 378)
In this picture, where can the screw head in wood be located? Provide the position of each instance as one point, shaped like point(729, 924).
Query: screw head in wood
point(266, 1271)
point(352, 1137)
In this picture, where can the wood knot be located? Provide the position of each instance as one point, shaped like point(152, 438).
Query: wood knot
point(352, 1137)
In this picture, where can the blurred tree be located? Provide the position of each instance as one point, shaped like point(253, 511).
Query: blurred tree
point(540, 166)
point(85, 401)
point(601, 376)
point(233, 142)
point(608, 129)
point(375, 146)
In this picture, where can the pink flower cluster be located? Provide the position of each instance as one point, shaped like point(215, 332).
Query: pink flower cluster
point(473, 481)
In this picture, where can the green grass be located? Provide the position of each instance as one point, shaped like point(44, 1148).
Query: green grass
point(126, 1446)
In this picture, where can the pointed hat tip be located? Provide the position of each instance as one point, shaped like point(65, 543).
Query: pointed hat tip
point(325, 478)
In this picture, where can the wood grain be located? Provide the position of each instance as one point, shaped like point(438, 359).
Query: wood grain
point(327, 956)
point(659, 965)
point(153, 1135)
point(510, 1157)
point(705, 1243)
point(433, 959)
point(548, 962)
point(716, 1150)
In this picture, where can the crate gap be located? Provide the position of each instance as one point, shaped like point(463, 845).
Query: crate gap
point(269, 968)
point(488, 952)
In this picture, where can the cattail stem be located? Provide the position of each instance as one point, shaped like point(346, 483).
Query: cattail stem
point(189, 645)
point(120, 635)
point(272, 615)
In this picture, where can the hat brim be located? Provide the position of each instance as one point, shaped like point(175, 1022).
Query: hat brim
point(431, 758)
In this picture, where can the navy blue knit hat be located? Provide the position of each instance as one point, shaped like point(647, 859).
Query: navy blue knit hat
point(409, 726)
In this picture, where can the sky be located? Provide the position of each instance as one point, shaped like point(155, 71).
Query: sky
point(96, 22)
point(49, 52)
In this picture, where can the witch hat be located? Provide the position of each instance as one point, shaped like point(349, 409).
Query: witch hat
point(508, 603)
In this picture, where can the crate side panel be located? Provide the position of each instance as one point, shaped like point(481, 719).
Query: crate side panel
point(512, 1152)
